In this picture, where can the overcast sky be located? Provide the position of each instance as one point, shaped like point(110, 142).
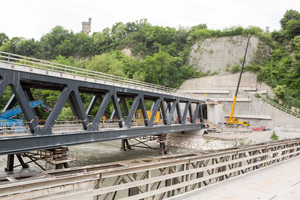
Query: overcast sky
point(34, 18)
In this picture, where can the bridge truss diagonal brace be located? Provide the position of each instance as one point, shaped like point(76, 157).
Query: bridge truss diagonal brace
point(132, 111)
point(196, 112)
point(92, 103)
point(12, 79)
point(78, 108)
point(144, 111)
point(117, 107)
point(191, 113)
point(124, 105)
point(24, 105)
point(186, 108)
point(63, 97)
point(179, 112)
point(3, 82)
point(30, 98)
point(114, 111)
point(157, 103)
point(172, 111)
point(101, 111)
point(10, 104)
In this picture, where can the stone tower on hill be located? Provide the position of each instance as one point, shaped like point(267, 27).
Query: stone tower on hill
point(86, 26)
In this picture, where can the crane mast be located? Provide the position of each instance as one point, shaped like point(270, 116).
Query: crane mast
point(232, 120)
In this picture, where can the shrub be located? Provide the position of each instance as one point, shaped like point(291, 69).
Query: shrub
point(257, 95)
point(274, 136)
point(235, 69)
point(252, 30)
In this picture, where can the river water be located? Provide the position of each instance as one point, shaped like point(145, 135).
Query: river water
point(95, 153)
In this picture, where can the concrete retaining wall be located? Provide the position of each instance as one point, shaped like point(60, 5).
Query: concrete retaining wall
point(255, 106)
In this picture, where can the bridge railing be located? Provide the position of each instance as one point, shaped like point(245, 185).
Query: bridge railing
point(280, 107)
point(75, 71)
point(151, 178)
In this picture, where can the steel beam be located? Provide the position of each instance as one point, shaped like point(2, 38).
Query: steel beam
point(100, 113)
point(144, 111)
point(187, 105)
point(19, 144)
point(133, 109)
point(24, 104)
point(11, 102)
point(43, 138)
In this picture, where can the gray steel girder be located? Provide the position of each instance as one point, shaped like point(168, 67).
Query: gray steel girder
point(41, 138)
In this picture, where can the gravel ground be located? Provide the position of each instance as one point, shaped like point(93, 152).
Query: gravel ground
point(227, 139)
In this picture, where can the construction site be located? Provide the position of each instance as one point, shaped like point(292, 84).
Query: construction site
point(223, 127)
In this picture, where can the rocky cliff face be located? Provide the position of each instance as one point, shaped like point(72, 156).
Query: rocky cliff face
point(221, 54)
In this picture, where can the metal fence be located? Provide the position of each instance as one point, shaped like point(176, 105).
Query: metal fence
point(155, 178)
point(80, 72)
point(280, 107)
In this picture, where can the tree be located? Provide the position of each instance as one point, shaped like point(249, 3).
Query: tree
point(83, 44)
point(278, 36)
point(296, 44)
point(70, 61)
point(65, 48)
point(280, 91)
point(156, 68)
point(198, 27)
point(106, 63)
point(52, 44)
point(132, 67)
point(3, 38)
point(28, 48)
point(118, 31)
point(290, 14)
point(252, 30)
point(12, 46)
point(131, 27)
point(101, 41)
point(293, 28)
point(234, 30)
point(21, 46)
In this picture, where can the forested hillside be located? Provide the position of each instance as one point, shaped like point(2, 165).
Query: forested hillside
point(159, 54)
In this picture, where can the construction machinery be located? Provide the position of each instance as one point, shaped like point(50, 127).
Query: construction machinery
point(232, 121)
point(8, 118)
point(140, 119)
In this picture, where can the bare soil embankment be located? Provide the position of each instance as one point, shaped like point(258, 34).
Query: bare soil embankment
point(228, 139)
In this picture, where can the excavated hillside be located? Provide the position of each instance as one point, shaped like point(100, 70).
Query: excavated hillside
point(218, 55)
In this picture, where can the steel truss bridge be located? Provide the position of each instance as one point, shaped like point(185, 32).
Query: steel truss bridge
point(24, 75)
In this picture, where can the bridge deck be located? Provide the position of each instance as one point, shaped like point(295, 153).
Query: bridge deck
point(281, 181)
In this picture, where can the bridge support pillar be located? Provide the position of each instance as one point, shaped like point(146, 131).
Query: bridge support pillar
point(60, 157)
point(162, 144)
point(11, 160)
point(125, 145)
